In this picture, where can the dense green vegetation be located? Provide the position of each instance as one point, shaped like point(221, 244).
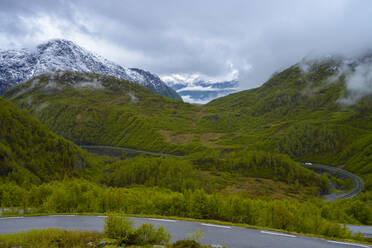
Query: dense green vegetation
point(30, 154)
point(116, 112)
point(249, 135)
point(299, 113)
point(33, 155)
point(295, 112)
point(312, 216)
point(122, 229)
point(51, 238)
point(181, 174)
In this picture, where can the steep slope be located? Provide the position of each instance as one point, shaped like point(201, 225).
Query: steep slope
point(17, 66)
point(154, 83)
point(31, 154)
point(310, 111)
point(88, 108)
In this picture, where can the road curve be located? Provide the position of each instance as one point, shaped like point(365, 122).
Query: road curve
point(229, 236)
point(357, 181)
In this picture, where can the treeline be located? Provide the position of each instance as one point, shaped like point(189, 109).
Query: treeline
point(306, 138)
point(260, 164)
point(172, 173)
point(209, 171)
point(313, 216)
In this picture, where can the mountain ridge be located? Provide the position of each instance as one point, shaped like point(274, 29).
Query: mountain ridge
point(297, 112)
point(17, 66)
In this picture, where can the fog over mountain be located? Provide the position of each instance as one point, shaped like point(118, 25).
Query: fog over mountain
point(196, 89)
point(254, 39)
point(356, 72)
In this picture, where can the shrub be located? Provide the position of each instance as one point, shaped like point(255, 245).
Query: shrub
point(149, 234)
point(120, 228)
point(196, 236)
point(52, 238)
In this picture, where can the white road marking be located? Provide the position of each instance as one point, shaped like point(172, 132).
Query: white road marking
point(62, 215)
point(347, 243)
point(279, 234)
point(165, 220)
point(212, 225)
point(9, 218)
point(217, 246)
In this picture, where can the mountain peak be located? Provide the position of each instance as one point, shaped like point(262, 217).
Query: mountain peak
point(57, 42)
point(58, 45)
point(18, 66)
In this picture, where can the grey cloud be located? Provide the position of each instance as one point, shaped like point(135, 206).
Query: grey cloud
point(167, 36)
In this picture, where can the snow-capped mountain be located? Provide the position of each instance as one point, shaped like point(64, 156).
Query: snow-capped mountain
point(196, 90)
point(17, 66)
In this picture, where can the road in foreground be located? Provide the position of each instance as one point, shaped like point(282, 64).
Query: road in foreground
point(230, 236)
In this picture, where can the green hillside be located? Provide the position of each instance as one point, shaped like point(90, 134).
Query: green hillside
point(240, 151)
point(31, 154)
point(94, 109)
point(299, 113)
point(295, 113)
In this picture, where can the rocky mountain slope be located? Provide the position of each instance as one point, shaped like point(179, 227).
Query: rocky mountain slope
point(17, 66)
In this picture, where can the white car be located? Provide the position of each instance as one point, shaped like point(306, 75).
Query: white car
point(308, 163)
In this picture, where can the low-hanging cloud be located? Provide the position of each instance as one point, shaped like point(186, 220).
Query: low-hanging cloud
point(355, 72)
point(358, 83)
point(209, 38)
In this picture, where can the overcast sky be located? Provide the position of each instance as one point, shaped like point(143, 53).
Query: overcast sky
point(216, 39)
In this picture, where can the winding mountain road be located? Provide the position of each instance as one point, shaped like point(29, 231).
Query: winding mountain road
point(229, 236)
point(357, 181)
point(125, 149)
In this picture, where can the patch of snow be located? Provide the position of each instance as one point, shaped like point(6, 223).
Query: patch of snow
point(18, 66)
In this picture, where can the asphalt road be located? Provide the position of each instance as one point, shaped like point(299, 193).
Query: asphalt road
point(366, 231)
point(111, 150)
point(357, 182)
point(236, 237)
